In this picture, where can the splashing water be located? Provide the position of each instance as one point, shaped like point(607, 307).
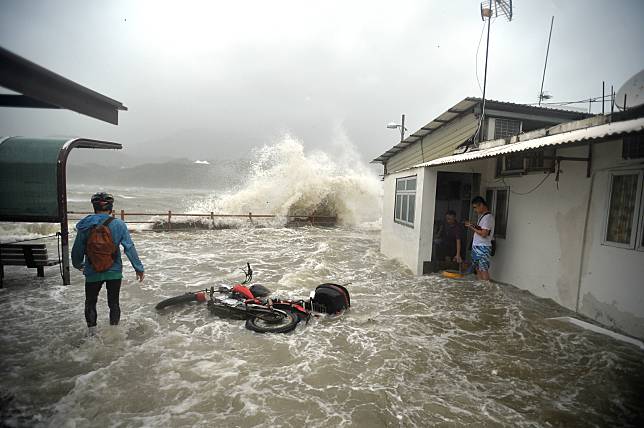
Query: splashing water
point(284, 180)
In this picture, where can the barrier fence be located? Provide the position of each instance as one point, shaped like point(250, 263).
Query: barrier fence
point(166, 218)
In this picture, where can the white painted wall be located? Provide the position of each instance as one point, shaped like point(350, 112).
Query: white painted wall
point(612, 286)
point(410, 245)
point(542, 252)
point(542, 249)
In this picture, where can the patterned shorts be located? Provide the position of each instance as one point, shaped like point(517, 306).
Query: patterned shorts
point(481, 257)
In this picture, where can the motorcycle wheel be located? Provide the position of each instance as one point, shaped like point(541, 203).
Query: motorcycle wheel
point(273, 324)
point(184, 298)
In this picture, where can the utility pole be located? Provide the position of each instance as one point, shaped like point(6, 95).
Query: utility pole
point(402, 128)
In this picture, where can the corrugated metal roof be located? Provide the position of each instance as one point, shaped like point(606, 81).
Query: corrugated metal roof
point(467, 105)
point(500, 147)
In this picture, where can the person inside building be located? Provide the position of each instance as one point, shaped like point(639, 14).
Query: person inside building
point(96, 253)
point(450, 242)
point(483, 232)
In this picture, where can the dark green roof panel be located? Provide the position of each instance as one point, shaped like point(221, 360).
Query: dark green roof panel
point(32, 176)
point(28, 176)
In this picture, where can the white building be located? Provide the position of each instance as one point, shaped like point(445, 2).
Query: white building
point(567, 200)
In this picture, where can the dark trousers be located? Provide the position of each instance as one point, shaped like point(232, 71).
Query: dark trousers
point(91, 297)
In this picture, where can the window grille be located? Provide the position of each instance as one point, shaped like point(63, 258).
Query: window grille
point(623, 208)
point(506, 127)
point(633, 146)
point(405, 203)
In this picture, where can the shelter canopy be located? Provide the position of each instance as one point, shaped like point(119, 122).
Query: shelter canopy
point(32, 177)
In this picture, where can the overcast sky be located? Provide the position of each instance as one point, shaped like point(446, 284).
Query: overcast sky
point(212, 79)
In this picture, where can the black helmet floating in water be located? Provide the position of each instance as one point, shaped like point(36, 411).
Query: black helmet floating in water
point(102, 201)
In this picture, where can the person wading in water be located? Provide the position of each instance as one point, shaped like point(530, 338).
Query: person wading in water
point(96, 253)
point(483, 236)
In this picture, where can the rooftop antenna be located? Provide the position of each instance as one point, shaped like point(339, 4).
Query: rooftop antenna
point(490, 9)
point(541, 94)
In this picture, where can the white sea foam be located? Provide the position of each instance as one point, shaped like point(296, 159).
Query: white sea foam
point(286, 180)
point(11, 232)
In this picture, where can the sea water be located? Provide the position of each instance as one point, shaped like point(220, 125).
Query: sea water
point(412, 351)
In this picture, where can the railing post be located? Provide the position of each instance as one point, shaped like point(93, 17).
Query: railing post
point(123, 215)
point(250, 216)
point(169, 220)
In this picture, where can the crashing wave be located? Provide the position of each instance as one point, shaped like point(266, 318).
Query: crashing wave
point(285, 181)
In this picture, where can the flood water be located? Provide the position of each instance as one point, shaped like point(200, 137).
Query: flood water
point(411, 351)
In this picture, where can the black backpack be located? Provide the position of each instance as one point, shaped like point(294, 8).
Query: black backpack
point(333, 297)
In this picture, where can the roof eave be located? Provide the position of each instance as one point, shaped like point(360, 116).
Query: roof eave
point(44, 88)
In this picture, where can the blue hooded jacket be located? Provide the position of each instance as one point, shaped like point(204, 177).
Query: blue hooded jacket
point(120, 236)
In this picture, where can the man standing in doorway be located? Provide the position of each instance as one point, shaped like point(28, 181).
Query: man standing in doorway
point(450, 240)
point(96, 233)
point(483, 234)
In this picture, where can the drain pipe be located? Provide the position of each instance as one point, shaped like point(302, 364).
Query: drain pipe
point(583, 239)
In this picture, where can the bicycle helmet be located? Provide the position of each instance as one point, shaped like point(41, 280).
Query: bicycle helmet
point(102, 201)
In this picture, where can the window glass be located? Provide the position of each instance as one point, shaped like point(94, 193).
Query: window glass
point(398, 206)
point(412, 207)
point(514, 162)
point(403, 216)
point(633, 146)
point(411, 184)
point(501, 213)
point(621, 212)
point(405, 200)
point(400, 184)
point(489, 198)
point(497, 200)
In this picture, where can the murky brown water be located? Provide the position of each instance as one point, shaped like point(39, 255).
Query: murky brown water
point(411, 352)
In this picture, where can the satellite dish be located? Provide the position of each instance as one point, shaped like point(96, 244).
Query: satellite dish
point(632, 92)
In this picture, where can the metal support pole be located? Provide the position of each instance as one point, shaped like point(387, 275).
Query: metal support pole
point(169, 220)
point(589, 164)
point(402, 128)
point(552, 21)
point(603, 96)
point(487, 50)
point(64, 244)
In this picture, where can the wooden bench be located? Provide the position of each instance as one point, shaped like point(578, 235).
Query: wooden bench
point(33, 256)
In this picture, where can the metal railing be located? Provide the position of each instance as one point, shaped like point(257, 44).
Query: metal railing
point(166, 217)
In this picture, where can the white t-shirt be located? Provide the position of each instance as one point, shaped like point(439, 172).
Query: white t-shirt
point(485, 222)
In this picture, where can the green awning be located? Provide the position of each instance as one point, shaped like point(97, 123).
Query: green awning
point(32, 176)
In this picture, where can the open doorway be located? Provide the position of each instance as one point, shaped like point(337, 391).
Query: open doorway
point(454, 192)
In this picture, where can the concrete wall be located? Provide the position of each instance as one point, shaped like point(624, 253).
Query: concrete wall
point(410, 245)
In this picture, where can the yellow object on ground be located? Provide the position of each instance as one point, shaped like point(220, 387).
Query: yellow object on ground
point(452, 274)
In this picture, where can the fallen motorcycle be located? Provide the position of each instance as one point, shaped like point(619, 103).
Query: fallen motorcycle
point(262, 313)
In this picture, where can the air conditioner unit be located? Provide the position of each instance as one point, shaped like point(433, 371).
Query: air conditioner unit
point(513, 164)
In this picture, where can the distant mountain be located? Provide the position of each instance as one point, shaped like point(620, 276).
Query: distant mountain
point(180, 173)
